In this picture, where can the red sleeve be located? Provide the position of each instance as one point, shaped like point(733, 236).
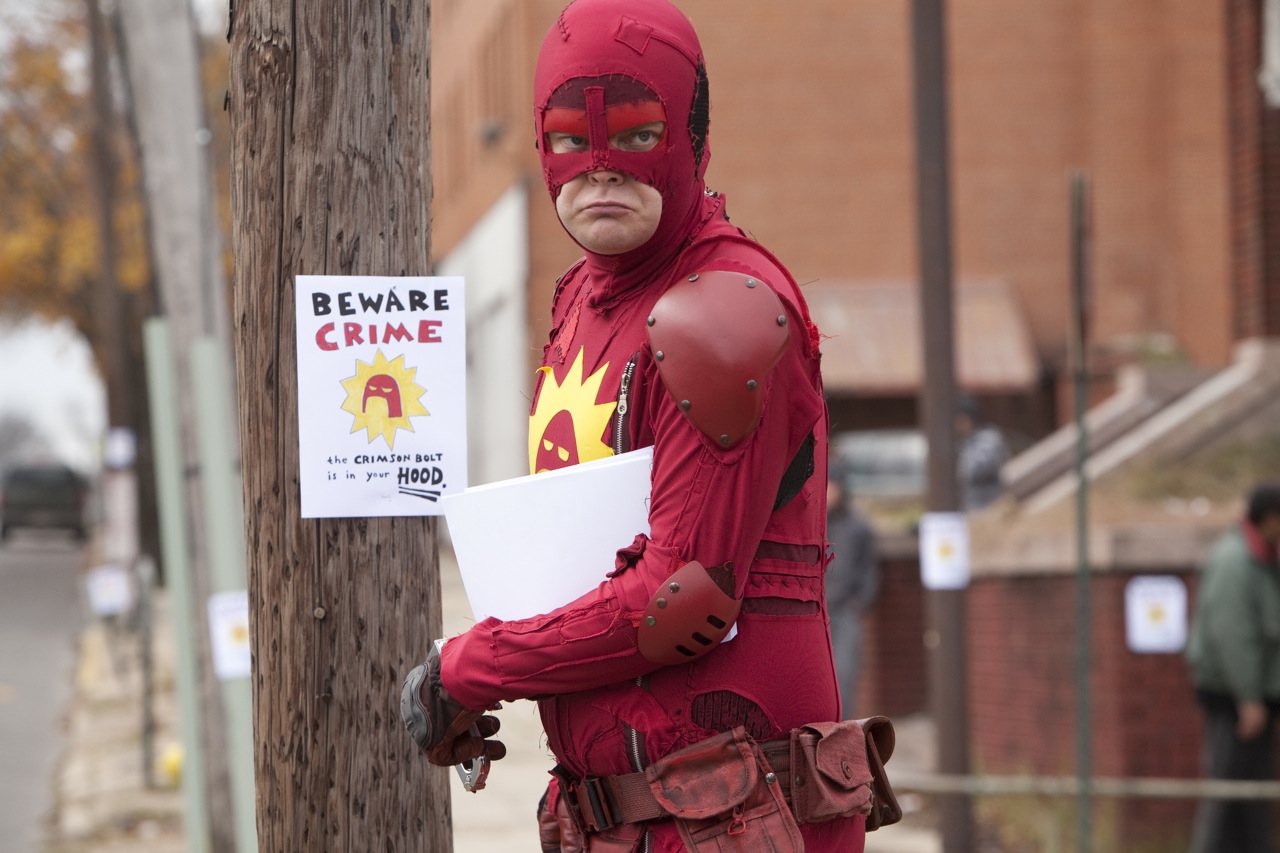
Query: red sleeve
point(707, 504)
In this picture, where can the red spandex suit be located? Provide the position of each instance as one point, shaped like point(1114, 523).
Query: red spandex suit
point(699, 344)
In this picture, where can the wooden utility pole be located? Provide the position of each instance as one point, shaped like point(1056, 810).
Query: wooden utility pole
point(945, 608)
point(329, 105)
point(106, 302)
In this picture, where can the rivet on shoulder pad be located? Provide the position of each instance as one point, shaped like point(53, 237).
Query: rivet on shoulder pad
point(661, 602)
point(782, 319)
point(693, 277)
point(685, 405)
point(752, 385)
point(751, 282)
point(673, 586)
point(724, 439)
point(650, 621)
point(658, 355)
point(650, 321)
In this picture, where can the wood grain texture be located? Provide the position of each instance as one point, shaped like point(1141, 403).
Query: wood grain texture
point(329, 104)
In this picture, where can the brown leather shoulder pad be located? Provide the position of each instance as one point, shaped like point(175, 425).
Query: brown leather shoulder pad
point(715, 336)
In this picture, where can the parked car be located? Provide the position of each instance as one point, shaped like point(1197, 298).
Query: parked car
point(43, 496)
point(887, 463)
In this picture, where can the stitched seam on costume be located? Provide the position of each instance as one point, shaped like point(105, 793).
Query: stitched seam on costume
point(694, 502)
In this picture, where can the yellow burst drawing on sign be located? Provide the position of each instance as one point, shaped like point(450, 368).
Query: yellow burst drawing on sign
point(383, 396)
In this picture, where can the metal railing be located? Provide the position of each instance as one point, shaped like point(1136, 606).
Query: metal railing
point(1138, 787)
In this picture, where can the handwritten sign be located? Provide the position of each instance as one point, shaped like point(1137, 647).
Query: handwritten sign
point(229, 634)
point(110, 590)
point(1155, 614)
point(944, 550)
point(382, 402)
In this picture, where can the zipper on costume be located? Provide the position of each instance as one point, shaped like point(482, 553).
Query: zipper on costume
point(633, 739)
point(624, 393)
point(635, 754)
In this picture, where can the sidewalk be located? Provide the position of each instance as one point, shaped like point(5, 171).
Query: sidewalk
point(104, 806)
point(101, 801)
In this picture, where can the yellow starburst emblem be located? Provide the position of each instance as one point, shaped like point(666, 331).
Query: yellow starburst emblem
point(383, 397)
point(567, 423)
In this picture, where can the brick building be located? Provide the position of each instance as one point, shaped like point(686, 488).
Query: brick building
point(812, 143)
point(1156, 102)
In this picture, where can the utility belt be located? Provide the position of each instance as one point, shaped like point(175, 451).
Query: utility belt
point(729, 793)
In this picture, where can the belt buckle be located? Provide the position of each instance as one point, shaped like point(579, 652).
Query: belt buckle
point(591, 796)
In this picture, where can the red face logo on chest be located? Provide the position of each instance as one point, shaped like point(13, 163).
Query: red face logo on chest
point(567, 424)
point(558, 446)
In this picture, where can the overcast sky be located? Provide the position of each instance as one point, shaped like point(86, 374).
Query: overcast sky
point(47, 377)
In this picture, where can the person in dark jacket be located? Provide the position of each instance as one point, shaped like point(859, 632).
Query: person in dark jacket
point(853, 583)
point(982, 453)
point(1234, 656)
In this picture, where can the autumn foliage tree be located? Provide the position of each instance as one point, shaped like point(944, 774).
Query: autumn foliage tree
point(51, 242)
point(51, 177)
point(49, 245)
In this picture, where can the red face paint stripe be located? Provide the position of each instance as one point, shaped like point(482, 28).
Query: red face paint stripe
point(565, 120)
point(617, 118)
point(622, 117)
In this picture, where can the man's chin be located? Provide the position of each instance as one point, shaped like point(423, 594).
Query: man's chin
point(608, 241)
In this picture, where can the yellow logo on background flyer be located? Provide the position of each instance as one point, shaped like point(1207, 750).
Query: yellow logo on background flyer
point(383, 396)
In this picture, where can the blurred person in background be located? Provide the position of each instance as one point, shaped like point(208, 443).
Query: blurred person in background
point(853, 583)
point(982, 453)
point(1234, 657)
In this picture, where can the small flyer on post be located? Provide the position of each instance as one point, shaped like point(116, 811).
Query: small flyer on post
point(382, 403)
point(944, 550)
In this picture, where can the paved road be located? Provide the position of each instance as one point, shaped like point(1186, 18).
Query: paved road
point(40, 616)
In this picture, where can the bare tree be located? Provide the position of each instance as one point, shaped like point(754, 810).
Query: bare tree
point(330, 175)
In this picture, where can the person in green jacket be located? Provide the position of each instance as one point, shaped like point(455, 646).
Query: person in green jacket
point(1234, 656)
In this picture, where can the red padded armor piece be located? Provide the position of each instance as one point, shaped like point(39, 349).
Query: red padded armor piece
point(716, 335)
point(686, 618)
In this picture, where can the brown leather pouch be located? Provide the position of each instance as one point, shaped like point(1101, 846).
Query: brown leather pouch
point(724, 797)
point(548, 825)
point(830, 775)
point(838, 771)
point(880, 739)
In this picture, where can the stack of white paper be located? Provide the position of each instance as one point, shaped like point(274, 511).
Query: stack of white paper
point(528, 545)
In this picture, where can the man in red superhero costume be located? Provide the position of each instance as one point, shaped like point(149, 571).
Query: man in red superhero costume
point(698, 342)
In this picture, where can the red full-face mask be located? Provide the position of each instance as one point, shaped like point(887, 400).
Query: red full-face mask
point(610, 65)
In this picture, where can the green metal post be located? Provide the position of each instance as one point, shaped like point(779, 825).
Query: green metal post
point(166, 437)
point(224, 514)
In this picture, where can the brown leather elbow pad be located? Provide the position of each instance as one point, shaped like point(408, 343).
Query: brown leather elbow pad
point(686, 618)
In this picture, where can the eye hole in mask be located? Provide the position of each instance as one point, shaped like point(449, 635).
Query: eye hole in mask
point(624, 112)
point(568, 133)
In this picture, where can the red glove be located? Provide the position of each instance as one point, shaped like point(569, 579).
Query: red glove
point(445, 730)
